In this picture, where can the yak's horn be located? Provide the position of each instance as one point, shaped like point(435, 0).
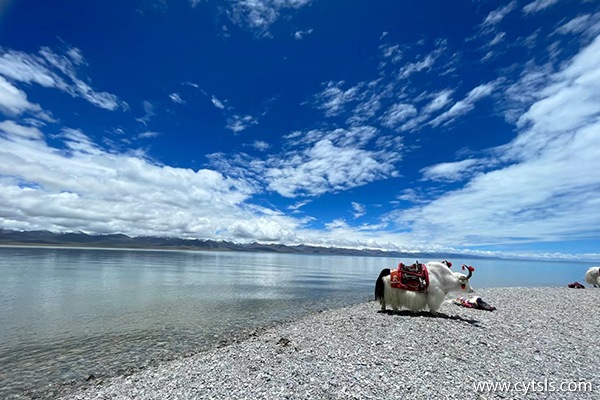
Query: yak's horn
point(471, 269)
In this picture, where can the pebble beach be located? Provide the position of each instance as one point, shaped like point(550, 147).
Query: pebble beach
point(538, 343)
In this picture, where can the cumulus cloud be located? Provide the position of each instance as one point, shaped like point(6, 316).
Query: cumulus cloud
point(316, 162)
point(548, 191)
point(324, 168)
point(329, 161)
point(84, 188)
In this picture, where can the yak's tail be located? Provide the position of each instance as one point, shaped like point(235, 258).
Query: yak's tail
point(379, 284)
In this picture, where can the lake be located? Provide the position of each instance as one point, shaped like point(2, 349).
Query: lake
point(68, 313)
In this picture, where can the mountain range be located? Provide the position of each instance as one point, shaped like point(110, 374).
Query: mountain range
point(80, 239)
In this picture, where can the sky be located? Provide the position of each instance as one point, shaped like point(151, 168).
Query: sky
point(437, 126)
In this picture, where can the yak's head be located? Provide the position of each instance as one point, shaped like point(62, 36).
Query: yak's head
point(463, 280)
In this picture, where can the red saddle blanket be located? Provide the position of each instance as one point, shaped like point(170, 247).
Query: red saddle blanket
point(410, 277)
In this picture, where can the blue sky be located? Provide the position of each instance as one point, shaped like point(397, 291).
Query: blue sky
point(470, 126)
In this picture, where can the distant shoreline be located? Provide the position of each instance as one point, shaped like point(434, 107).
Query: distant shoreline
point(100, 247)
point(9, 238)
point(120, 241)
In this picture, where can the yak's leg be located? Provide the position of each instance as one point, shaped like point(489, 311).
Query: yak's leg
point(435, 298)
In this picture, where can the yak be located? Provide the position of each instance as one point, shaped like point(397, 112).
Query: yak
point(592, 276)
point(431, 294)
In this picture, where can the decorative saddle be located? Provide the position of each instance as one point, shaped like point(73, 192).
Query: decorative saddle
point(410, 277)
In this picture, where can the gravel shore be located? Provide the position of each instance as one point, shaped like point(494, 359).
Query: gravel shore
point(544, 340)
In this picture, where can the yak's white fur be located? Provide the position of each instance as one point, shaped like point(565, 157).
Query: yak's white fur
point(441, 281)
point(592, 276)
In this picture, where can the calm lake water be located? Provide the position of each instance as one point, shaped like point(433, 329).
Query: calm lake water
point(68, 313)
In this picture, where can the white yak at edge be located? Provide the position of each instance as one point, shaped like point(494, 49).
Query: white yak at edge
point(592, 276)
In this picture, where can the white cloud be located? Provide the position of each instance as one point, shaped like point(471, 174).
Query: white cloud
point(587, 24)
point(260, 14)
point(239, 123)
point(359, 209)
point(83, 188)
point(217, 103)
point(397, 114)
point(568, 102)
point(299, 35)
point(176, 98)
point(498, 15)
point(538, 5)
point(148, 135)
point(13, 101)
point(357, 136)
point(77, 141)
point(549, 192)
point(148, 112)
point(464, 106)
point(13, 130)
point(452, 171)
point(58, 71)
point(411, 68)
point(316, 162)
point(392, 52)
point(497, 39)
point(265, 229)
point(260, 145)
point(297, 206)
point(364, 102)
point(334, 98)
point(365, 110)
point(441, 100)
point(327, 167)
